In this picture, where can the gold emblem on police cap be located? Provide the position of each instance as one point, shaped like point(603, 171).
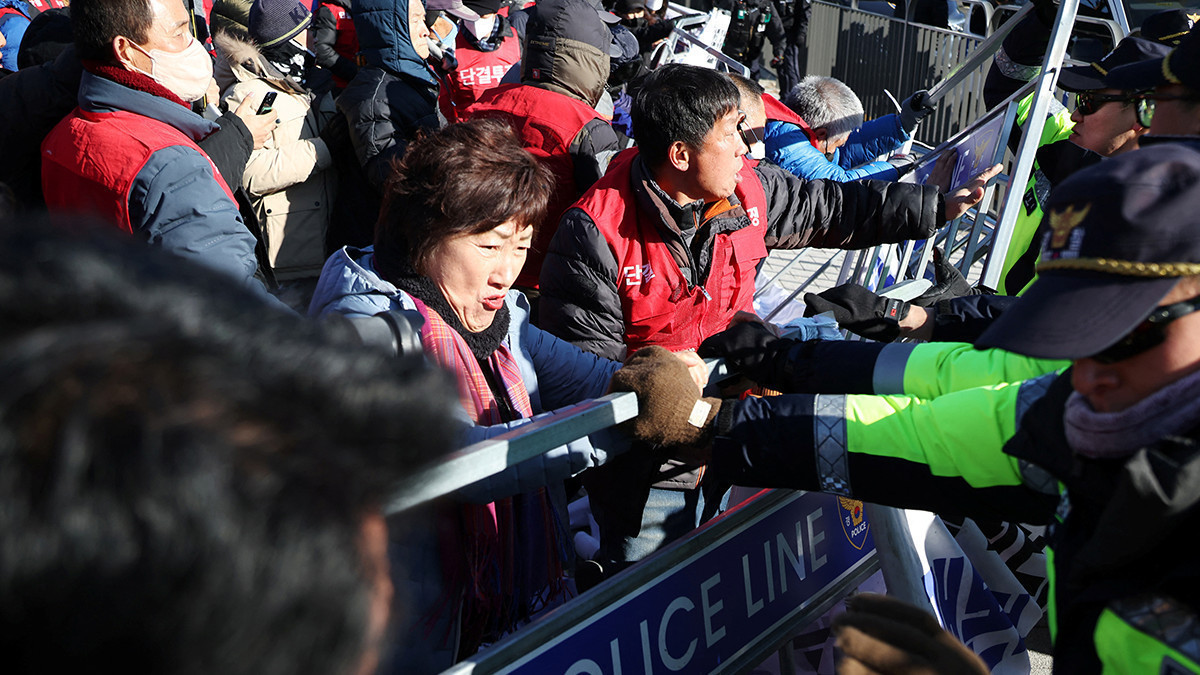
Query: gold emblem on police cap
point(1062, 222)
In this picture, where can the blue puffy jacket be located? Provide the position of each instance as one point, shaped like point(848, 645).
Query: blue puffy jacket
point(393, 95)
point(555, 373)
point(789, 147)
point(15, 16)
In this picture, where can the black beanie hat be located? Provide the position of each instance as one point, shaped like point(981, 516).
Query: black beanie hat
point(276, 21)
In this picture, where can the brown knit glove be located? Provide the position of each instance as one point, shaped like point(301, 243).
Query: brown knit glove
point(882, 635)
point(670, 409)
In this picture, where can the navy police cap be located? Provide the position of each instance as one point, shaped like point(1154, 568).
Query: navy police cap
point(1119, 235)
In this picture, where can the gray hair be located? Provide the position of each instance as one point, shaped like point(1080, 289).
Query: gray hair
point(826, 102)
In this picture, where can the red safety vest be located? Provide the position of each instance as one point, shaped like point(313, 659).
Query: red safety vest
point(546, 122)
point(656, 303)
point(89, 161)
point(346, 42)
point(477, 72)
point(778, 112)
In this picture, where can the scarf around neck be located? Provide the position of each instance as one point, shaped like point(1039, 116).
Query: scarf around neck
point(288, 59)
point(505, 559)
point(1169, 411)
point(481, 344)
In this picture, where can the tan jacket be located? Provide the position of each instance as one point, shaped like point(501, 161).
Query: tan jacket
point(290, 179)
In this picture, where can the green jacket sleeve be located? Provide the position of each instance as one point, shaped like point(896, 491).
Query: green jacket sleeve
point(925, 370)
point(944, 454)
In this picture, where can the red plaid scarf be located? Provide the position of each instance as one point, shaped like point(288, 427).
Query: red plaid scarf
point(495, 561)
point(447, 348)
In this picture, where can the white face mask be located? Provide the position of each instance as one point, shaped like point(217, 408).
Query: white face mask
point(758, 150)
point(185, 74)
point(482, 27)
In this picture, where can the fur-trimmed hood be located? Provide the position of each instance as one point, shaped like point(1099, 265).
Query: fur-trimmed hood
point(239, 60)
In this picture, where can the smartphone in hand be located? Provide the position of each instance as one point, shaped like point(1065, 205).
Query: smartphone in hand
point(268, 103)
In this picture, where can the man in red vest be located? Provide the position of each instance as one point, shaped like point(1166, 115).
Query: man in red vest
point(486, 47)
point(563, 73)
point(334, 41)
point(128, 153)
point(663, 251)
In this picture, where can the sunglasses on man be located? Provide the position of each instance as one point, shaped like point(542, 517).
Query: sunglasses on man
point(1145, 105)
point(1148, 334)
point(1088, 102)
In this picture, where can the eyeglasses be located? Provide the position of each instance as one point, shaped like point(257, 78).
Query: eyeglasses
point(1149, 333)
point(1088, 102)
point(1145, 105)
point(750, 135)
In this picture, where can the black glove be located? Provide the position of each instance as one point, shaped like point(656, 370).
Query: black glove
point(914, 109)
point(776, 62)
point(949, 283)
point(859, 311)
point(670, 409)
point(878, 634)
point(752, 350)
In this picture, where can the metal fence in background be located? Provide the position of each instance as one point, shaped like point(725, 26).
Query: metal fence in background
point(871, 53)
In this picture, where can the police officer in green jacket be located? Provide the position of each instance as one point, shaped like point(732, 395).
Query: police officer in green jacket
point(1101, 124)
point(1107, 454)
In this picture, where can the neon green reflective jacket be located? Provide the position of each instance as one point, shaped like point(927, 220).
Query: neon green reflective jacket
point(925, 370)
point(1058, 128)
point(1123, 580)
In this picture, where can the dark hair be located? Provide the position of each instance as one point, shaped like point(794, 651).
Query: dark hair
point(96, 23)
point(465, 178)
point(679, 103)
point(746, 85)
point(185, 472)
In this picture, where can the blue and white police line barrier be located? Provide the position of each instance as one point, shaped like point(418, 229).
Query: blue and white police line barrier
point(735, 590)
point(718, 601)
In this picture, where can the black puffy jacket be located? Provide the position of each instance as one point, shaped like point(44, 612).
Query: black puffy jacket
point(393, 95)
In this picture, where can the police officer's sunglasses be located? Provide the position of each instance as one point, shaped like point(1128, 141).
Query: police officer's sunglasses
point(1088, 102)
point(1145, 105)
point(749, 135)
point(1149, 333)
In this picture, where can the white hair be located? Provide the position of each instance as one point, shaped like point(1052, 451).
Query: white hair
point(826, 102)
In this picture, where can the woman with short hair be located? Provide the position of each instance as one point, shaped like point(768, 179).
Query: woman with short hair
point(456, 225)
